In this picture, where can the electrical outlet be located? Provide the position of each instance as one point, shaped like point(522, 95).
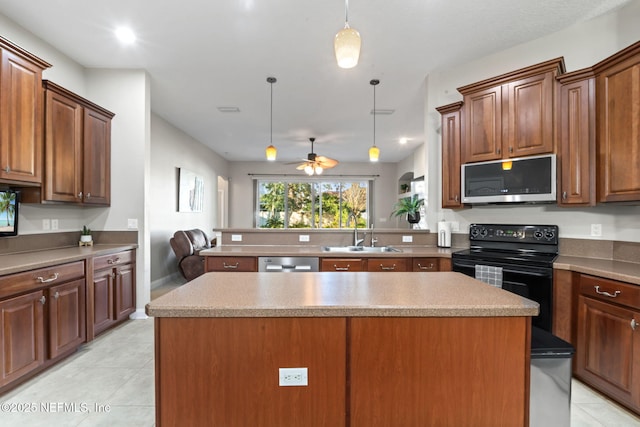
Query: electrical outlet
point(596, 230)
point(293, 377)
point(303, 238)
point(46, 224)
point(407, 239)
point(54, 224)
point(132, 223)
point(236, 237)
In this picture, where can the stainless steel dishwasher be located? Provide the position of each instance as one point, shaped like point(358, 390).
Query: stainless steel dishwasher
point(287, 264)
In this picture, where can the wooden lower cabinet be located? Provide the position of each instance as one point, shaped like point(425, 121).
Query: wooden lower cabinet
point(114, 289)
point(608, 348)
point(388, 265)
point(22, 326)
point(425, 264)
point(231, 263)
point(343, 264)
point(362, 372)
point(67, 324)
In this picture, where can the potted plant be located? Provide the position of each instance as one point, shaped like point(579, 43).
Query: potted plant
point(409, 206)
point(85, 234)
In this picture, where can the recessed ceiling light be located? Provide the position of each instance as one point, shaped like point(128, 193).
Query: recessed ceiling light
point(125, 35)
point(403, 141)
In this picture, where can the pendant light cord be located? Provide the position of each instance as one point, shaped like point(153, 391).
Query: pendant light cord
point(346, 12)
point(374, 115)
point(271, 118)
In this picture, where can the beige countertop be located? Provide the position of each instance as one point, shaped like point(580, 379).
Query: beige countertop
point(617, 270)
point(24, 261)
point(331, 294)
point(310, 250)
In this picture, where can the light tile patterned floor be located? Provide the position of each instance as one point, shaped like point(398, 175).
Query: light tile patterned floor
point(110, 382)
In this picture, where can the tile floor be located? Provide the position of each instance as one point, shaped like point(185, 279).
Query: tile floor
point(110, 382)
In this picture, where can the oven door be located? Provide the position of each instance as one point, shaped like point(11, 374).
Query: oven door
point(534, 283)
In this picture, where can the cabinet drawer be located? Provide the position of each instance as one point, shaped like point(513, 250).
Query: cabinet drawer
point(231, 263)
point(425, 264)
point(343, 264)
point(21, 282)
point(113, 260)
point(610, 291)
point(387, 264)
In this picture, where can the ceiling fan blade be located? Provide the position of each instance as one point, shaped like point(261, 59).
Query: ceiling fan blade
point(326, 162)
point(302, 166)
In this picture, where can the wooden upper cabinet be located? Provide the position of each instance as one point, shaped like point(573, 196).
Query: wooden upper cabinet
point(20, 115)
point(78, 149)
point(511, 115)
point(618, 124)
point(577, 139)
point(451, 116)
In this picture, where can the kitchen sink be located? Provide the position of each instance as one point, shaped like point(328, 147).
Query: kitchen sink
point(367, 249)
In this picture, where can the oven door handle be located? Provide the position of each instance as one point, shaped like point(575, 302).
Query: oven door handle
point(546, 273)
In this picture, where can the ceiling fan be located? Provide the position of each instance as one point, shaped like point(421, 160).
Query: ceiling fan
point(315, 164)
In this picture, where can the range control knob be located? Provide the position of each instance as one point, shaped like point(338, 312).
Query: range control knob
point(549, 234)
point(483, 232)
point(538, 234)
point(475, 231)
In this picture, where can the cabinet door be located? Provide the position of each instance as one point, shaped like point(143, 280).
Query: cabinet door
point(343, 264)
point(63, 148)
point(22, 329)
point(97, 158)
point(529, 127)
point(483, 126)
point(21, 112)
point(577, 143)
point(125, 291)
point(608, 353)
point(618, 99)
point(103, 313)
point(451, 156)
point(67, 320)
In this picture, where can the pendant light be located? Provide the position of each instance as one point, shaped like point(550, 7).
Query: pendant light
point(271, 151)
point(374, 152)
point(347, 43)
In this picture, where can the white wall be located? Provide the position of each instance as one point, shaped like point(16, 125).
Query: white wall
point(172, 149)
point(581, 46)
point(242, 198)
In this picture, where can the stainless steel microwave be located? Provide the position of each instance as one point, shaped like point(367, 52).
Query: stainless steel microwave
point(523, 180)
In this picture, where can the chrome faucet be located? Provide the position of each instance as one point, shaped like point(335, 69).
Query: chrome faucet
point(373, 239)
point(356, 241)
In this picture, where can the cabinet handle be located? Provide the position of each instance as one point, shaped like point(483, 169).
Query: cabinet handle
point(42, 299)
point(564, 195)
point(225, 265)
point(498, 151)
point(382, 267)
point(341, 268)
point(50, 279)
point(456, 198)
point(426, 267)
point(510, 149)
point(80, 195)
point(56, 295)
point(88, 195)
point(113, 261)
point(634, 324)
point(605, 293)
point(7, 169)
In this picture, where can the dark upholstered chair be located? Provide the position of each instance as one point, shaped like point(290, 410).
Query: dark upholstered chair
point(187, 246)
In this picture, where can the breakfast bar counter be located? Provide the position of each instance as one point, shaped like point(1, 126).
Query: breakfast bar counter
point(410, 349)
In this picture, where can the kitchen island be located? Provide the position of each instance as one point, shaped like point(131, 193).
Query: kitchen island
point(408, 349)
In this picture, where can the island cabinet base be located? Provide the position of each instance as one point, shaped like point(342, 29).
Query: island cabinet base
point(362, 371)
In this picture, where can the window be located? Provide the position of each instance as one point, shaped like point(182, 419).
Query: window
point(312, 204)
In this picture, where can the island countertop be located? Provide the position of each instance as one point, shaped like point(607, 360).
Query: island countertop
point(334, 294)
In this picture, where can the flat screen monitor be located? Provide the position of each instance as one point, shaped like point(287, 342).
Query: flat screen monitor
point(9, 204)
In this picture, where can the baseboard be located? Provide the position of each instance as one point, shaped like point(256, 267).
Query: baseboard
point(172, 278)
point(138, 314)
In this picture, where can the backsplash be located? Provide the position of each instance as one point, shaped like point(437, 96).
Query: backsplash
point(39, 242)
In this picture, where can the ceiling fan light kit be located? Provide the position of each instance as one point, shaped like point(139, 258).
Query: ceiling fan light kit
point(271, 152)
point(347, 43)
point(314, 164)
point(374, 152)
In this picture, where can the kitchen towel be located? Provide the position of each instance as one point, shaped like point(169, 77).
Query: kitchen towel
point(489, 274)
